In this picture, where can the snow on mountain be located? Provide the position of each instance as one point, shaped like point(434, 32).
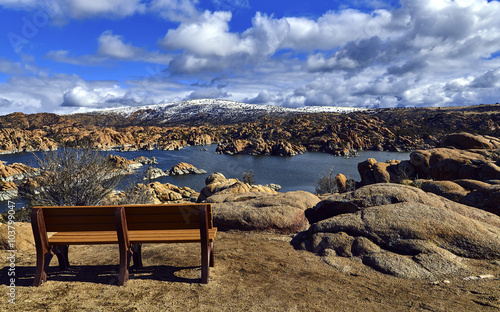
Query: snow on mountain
point(215, 110)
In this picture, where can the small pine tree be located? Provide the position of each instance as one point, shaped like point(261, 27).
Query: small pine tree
point(249, 177)
point(326, 183)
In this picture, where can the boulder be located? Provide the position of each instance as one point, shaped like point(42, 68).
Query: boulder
point(402, 231)
point(8, 191)
point(124, 164)
point(16, 172)
point(174, 145)
point(341, 181)
point(469, 141)
point(283, 212)
point(146, 161)
point(447, 189)
point(168, 192)
point(216, 183)
point(154, 173)
point(184, 168)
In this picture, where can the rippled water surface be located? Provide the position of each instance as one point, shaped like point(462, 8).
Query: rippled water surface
point(293, 173)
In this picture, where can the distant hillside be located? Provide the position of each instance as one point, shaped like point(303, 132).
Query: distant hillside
point(196, 112)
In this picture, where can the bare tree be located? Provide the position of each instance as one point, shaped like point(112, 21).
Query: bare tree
point(73, 177)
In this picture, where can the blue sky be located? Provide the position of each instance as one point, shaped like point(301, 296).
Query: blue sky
point(68, 56)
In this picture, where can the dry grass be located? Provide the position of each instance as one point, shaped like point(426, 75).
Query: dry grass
point(253, 272)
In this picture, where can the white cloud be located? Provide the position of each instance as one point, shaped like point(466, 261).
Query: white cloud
point(175, 10)
point(208, 35)
point(79, 9)
point(110, 47)
point(9, 67)
point(113, 46)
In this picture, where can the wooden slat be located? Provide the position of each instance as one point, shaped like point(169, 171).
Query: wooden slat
point(161, 210)
point(84, 238)
point(78, 211)
point(80, 227)
point(161, 226)
point(186, 218)
point(169, 236)
point(79, 219)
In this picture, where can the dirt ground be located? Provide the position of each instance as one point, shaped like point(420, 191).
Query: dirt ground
point(253, 272)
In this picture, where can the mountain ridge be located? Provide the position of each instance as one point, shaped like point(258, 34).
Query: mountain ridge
point(213, 111)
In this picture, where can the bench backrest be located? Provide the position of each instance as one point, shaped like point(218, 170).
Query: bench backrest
point(77, 218)
point(167, 217)
point(139, 217)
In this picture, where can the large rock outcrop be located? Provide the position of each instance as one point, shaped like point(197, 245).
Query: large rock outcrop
point(16, 172)
point(445, 163)
point(167, 192)
point(260, 147)
point(282, 212)
point(184, 168)
point(8, 190)
point(467, 141)
point(124, 164)
point(401, 230)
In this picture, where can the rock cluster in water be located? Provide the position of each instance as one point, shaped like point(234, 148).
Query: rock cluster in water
point(179, 169)
point(217, 183)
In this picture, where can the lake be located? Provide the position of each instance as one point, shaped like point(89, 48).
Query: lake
point(293, 173)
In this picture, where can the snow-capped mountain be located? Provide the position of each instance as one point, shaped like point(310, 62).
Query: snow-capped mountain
point(215, 111)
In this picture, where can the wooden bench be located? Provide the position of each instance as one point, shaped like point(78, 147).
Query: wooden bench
point(126, 225)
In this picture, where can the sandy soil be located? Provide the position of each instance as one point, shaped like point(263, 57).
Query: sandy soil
point(253, 272)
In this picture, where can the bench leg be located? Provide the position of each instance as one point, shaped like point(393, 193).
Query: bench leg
point(42, 265)
point(137, 255)
point(62, 256)
point(212, 254)
point(205, 263)
point(123, 274)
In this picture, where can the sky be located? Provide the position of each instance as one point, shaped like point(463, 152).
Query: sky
point(65, 56)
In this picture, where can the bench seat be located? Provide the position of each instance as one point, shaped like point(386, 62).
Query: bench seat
point(135, 237)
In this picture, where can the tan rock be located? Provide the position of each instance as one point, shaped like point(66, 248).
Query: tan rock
point(403, 231)
point(467, 141)
point(283, 212)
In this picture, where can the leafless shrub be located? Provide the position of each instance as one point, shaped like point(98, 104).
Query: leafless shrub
point(73, 177)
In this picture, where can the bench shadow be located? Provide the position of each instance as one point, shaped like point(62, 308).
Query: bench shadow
point(100, 274)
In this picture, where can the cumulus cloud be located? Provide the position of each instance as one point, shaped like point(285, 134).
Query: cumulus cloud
point(110, 47)
point(429, 52)
point(209, 35)
point(113, 46)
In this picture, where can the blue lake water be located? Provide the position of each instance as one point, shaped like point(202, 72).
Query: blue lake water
point(293, 173)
